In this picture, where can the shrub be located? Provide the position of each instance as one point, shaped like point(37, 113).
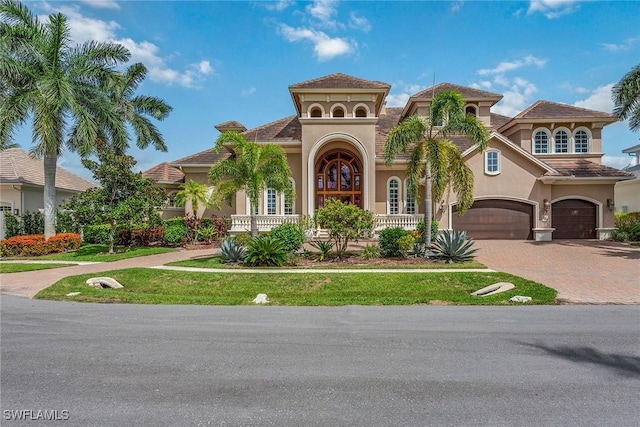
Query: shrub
point(206, 234)
point(65, 222)
point(628, 223)
point(36, 245)
point(620, 236)
point(231, 250)
point(12, 226)
point(243, 238)
point(173, 221)
point(98, 234)
point(371, 251)
point(147, 236)
point(420, 230)
point(452, 246)
point(32, 223)
point(389, 241)
point(291, 236)
point(265, 251)
point(324, 249)
point(405, 244)
point(345, 222)
point(175, 233)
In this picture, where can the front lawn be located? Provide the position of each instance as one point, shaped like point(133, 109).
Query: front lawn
point(100, 253)
point(18, 268)
point(150, 286)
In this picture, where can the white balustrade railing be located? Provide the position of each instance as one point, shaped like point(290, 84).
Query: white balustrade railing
point(241, 223)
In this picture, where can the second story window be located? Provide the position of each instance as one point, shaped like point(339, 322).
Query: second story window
point(541, 142)
point(492, 162)
point(581, 140)
point(561, 142)
point(393, 196)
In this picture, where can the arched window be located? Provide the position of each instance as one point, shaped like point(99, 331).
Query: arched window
point(316, 112)
point(361, 112)
point(561, 141)
point(338, 112)
point(471, 110)
point(339, 176)
point(581, 141)
point(541, 142)
point(393, 196)
point(492, 162)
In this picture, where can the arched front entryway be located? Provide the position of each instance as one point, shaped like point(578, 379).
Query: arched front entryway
point(338, 175)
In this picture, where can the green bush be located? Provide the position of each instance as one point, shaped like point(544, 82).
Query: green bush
point(265, 251)
point(629, 224)
point(173, 221)
point(405, 244)
point(345, 223)
point(371, 251)
point(389, 237)
point(243, 238)
point(12, 225)
point(453, 246)
point(420, 230)
point(98, 234)
point(620, 236)
point(175, 233)
point(324, 249)
point(65, 222)
point(32, 223)
point(291, 236)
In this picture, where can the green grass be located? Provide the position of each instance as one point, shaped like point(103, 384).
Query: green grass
point(18, 268)
point(216, 262)
point(149, 286)
point(100, 253)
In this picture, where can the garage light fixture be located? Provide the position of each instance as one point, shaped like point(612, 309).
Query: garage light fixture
point(546, 205)
point(610, 205)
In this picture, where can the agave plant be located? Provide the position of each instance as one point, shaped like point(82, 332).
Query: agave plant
point(232, 251)
point(265, 251)
point(453, 246)
point(324, 248)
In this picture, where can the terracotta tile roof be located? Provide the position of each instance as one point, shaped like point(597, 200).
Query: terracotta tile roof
point(231, 125)
point(164, 173)
point(585, 169)
point(18, 167)
point(385, 122)
point(340, 81)
point(498, 120)
point(468, 93)
point(206, 157)
point(556, 111)
point(287, 129)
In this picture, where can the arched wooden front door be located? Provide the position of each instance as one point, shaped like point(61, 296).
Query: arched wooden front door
point(338, 176)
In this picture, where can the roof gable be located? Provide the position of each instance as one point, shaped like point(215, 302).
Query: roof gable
point(554, 110)
point(340, 81)
point(164, 173)
point(467, 93)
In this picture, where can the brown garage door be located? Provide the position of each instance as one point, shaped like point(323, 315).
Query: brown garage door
point(496, 219)
point(573, 219)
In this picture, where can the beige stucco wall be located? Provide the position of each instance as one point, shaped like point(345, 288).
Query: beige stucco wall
point(28, 198)
point(627, 193)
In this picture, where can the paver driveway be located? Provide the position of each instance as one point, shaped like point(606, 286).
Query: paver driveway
point(583, 271)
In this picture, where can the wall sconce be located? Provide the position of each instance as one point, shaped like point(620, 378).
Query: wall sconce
point(610, 205)
point(546, 205)
point(16, 212)
point(442, 206)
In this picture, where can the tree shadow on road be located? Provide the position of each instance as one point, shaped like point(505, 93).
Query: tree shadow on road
point(621, 364)
point(603, 247)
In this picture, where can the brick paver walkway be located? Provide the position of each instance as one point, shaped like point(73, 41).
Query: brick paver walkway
point(583, 271)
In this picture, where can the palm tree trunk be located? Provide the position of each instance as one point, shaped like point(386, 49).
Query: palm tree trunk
point(428, 208)
point(50, 163)
point(254, 219)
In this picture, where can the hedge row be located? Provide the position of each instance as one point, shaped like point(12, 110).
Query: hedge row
point(35, 244)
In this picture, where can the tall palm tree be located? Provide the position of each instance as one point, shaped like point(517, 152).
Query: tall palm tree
point(133, 110)
point(194, 194)
point(432, 157)
point(55, 83)
point(252, 167)
point(626, 96)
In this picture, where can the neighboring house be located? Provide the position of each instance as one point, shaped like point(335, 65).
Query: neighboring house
point(540, 178)
point(22, 183)
point(169, 178)
point(627, 193)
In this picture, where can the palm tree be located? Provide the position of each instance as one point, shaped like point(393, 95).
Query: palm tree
point(132, 110)
point(626, 96)
point(433, 157)
point(252, 167)
point(55, 83)
point(195, 194)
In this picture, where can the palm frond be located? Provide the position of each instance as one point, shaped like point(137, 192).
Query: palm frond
point(403, 136)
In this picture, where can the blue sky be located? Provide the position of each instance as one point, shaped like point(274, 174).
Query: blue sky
point(217, 61)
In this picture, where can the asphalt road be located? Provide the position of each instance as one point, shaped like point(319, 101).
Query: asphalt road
point(123, 365)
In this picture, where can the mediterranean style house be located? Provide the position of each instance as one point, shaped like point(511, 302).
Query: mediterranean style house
point(541, 177)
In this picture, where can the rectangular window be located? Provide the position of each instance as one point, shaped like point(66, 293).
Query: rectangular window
point(492, 162)
point(271, 201)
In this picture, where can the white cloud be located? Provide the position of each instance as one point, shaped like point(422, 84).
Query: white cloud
point(83, 29)
point(618, 162)
point(324, 11)
point(553, 8)
point(248, 92)
point(406, 90)
point(620, 47)
point(513, 65)
point(359, 22)
point(456, 6)
point(276, 6)
point(599, 100)
point(102, 4)
point(325, 47)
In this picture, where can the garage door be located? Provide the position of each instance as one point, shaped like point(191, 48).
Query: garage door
point(496, 219)
point(573, 219)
